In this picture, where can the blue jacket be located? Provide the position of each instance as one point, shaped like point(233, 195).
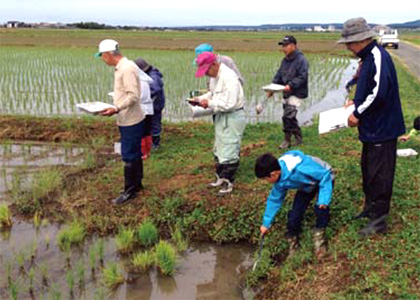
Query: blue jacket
point(294, 72)
point(302, 172)
point(156, 89)
point(377, 99)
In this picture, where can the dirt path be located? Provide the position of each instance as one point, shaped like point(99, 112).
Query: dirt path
point(410, 56)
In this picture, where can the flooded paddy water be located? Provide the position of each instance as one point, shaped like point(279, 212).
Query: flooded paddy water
point(204, 271)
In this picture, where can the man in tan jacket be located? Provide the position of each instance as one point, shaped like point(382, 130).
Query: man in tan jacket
point(130, 117)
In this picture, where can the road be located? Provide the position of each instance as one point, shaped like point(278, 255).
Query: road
point(410, 56)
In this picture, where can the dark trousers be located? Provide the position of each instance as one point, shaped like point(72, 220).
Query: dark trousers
point(156, 124)
point(296, 214)
point(131, 141)
point(290, 123)
point(378, 170)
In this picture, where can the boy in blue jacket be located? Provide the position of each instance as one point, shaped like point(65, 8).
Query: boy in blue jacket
point(309, 176)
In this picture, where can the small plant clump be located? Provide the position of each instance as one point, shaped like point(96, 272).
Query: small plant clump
point(165, 258)
point(5, 217)
point(73, 235)
point(112, 276)
point(180, 242)
point(143, 260)
point(125, 240)
point(147, 234)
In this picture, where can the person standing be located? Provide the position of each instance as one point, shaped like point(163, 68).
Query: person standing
point(226, 98)
point(158, 97)
point(127, 95)
point(293, 74)
point(379, 118)
point(226, 60)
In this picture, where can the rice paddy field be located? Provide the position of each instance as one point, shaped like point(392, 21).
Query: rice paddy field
point(61, 238)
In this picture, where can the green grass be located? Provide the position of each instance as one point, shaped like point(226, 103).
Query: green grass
point(147, 234)
point(5, 216)
point(165, 258)
point(112, 276)
point(179, 240)
point(74, 234)
point(143, 260)
point(125, 240)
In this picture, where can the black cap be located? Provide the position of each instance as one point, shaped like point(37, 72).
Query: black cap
point(288, 39)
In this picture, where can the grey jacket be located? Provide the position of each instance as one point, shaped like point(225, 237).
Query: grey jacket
point(294, 72)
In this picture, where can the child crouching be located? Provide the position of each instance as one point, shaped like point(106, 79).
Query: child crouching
point(309, 176)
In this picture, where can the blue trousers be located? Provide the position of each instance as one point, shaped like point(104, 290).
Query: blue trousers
point(131, 142)
point(156, 122)
point(296, 214)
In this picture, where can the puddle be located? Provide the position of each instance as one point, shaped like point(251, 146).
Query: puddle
point(24, 160)
point(204, 271)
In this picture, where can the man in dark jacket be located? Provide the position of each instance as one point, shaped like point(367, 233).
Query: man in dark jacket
point(293, 74)
point(379, 118)
point(158, 97)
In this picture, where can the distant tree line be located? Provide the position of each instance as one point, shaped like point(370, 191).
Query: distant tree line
point(90, 25)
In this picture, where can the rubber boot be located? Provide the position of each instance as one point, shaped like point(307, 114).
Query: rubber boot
point(138, 175)
point(217, 182)
point(298, 138)
point(156, 142)
point(320, 242)
point(227, 187)
point(146, 147)
point(375, 226)
point(293, 244)
point(286, 141)
point(130, 185)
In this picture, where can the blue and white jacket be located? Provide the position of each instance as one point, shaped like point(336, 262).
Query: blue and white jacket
point(377, 99)
point(302, 172)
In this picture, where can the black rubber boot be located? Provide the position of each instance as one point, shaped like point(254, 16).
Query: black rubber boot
point(138, 175)
point(286, 141)
point(298, 138)
point(130, 184)
point(156, 142)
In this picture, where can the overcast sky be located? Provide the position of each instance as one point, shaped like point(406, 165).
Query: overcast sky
point(212, 12)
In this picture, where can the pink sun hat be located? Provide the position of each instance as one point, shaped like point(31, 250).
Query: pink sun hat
point(204, 61)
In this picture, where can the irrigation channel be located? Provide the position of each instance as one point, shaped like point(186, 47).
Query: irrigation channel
point(30, 254)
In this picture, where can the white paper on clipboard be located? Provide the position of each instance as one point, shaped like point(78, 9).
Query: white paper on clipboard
point(334, 119)
point(93, 107)
point(272, 87)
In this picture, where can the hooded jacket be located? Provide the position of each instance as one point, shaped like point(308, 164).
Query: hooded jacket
point(301, 172)
point(377, 100)
point(156, 89)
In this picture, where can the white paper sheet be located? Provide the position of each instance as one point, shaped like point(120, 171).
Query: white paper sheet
point(406, 152)
point(272, 87)
point(334, 119)
point(93, 107)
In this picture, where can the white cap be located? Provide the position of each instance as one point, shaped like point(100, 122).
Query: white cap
point(107, 46)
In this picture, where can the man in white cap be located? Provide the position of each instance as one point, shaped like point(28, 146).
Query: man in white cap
point(127, 94)
point(379, 119)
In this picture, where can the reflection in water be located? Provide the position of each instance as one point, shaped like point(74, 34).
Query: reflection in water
point(204, 272)
point(23, 161)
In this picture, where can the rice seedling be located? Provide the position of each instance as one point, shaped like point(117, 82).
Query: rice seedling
point(31, 277)
point(72, 235)
point(5, 217)
point(80, 272)
point(143, 260)
point(20, 259)
point(100, 245)
point(112, 276)
point(14, 289)
point(165, 258)
point(181, 243)
point(147, 234)
point(9, 272)
point(55, 293)
point(37, 220)
point(92, 258)
point(44, 183)
point(125, 240)
point(44, 273)
point(70, 280)
point(47, 241)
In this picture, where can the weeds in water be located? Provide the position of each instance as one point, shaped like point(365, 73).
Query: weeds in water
point(143, 260)
point(20, 259)
point(9, 272)
point(92, 258)
point(44, 183)
point(125, 240)
point(261, 270)
point(100, 245)
point(72, 235)
point(55, 293)
point(31, 277)
point(112, 276)
point(165, 258)
point(47, 241)
point(14, 289)
point(147, 234)
point(37, 220)
point(180, 242)
point(5, 217)
point(44, 273)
